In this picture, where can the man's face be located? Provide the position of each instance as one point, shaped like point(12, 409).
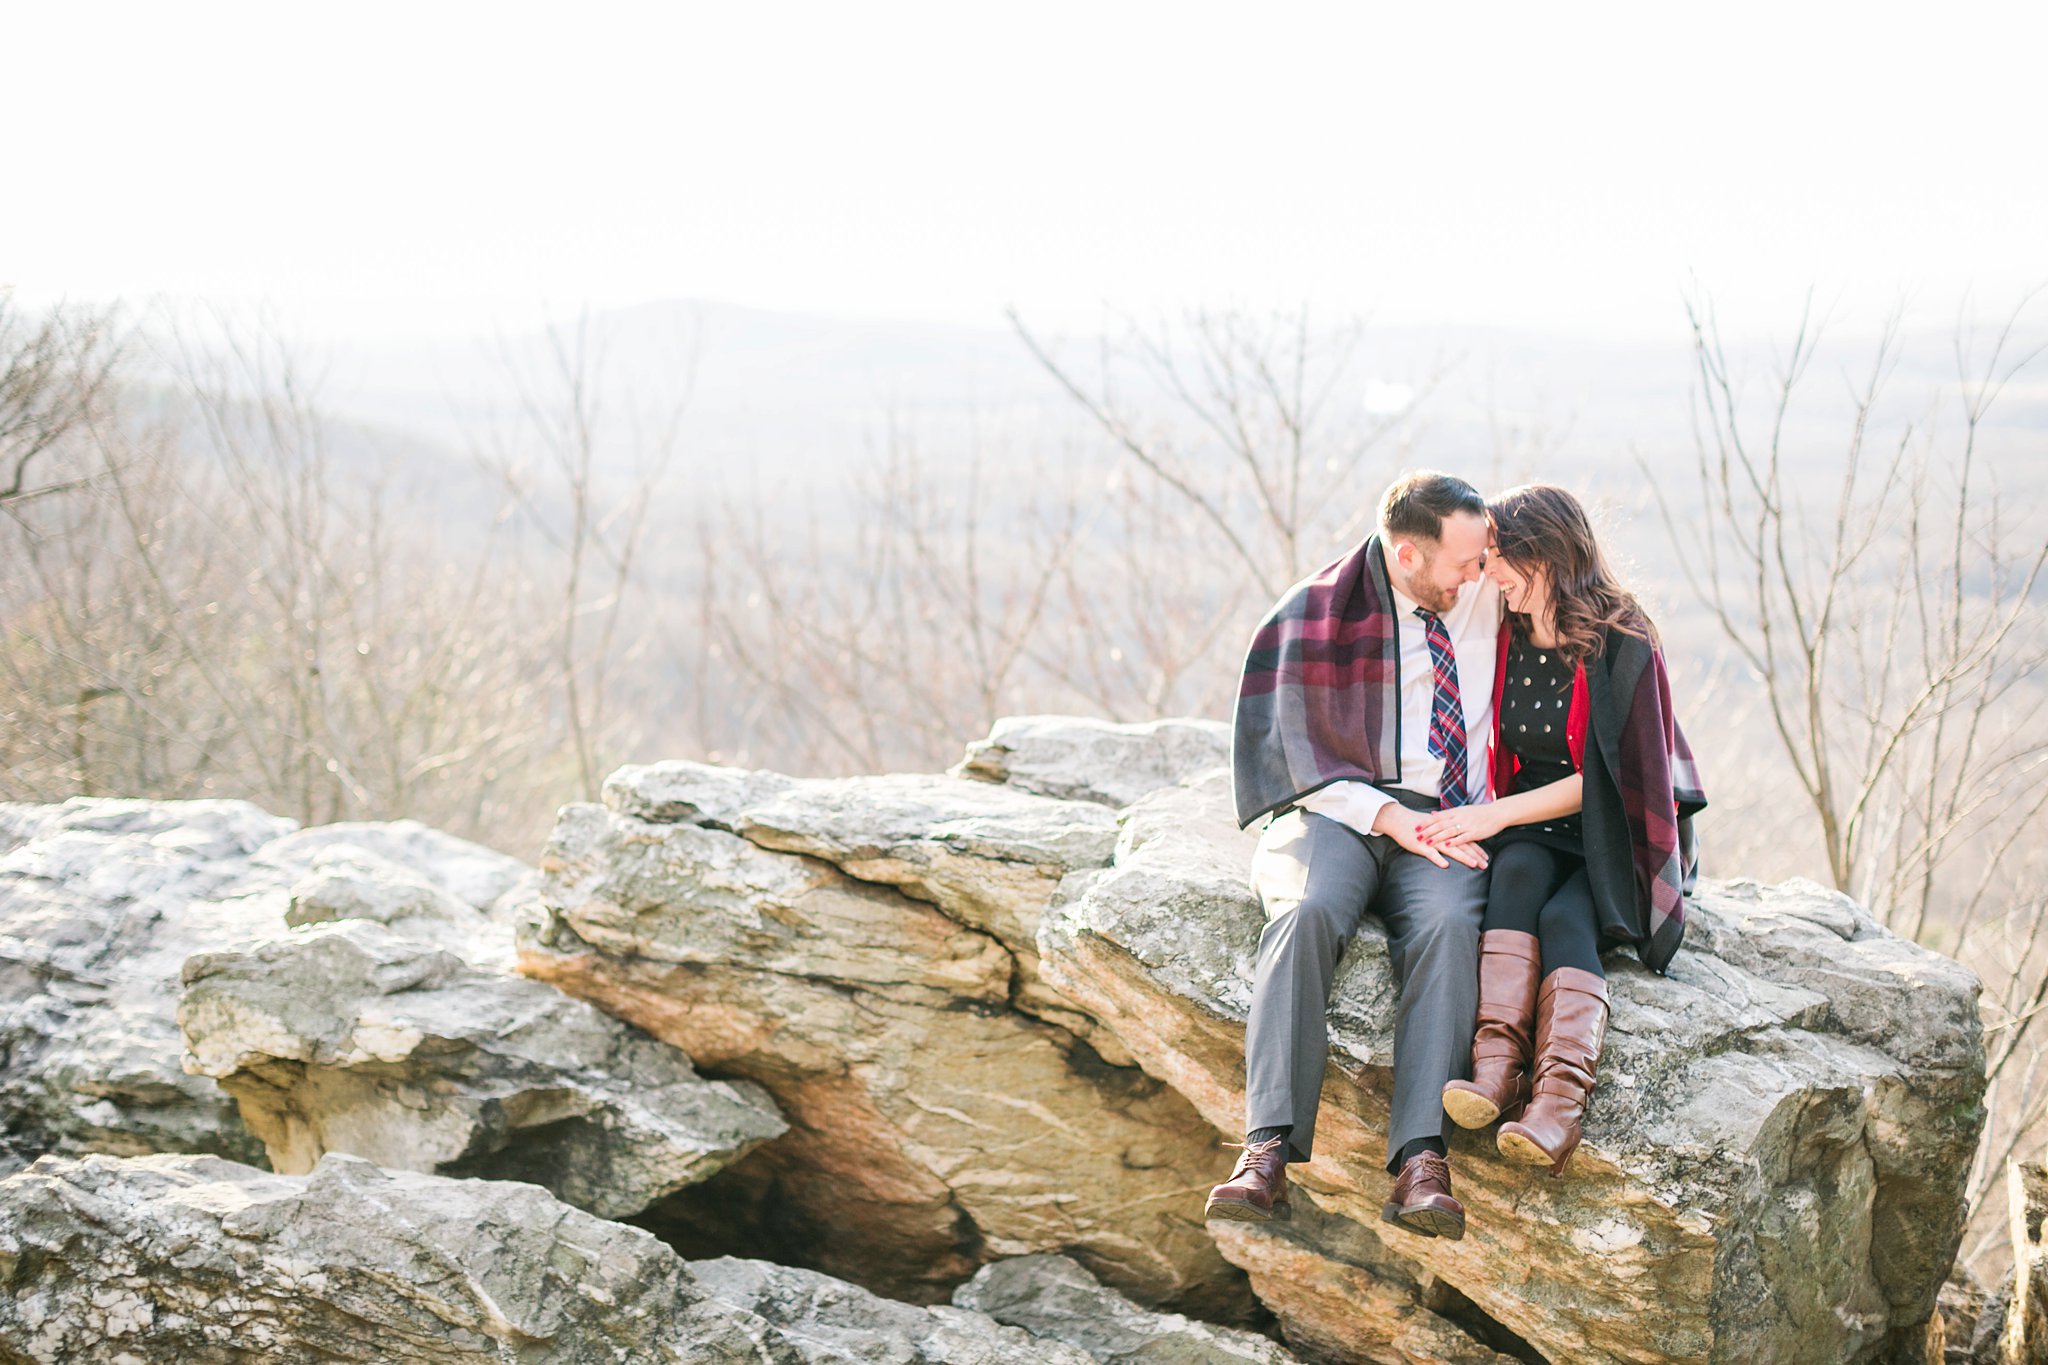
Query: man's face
point(1436, 573)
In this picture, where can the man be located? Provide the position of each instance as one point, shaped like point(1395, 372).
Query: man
point(1366, 703)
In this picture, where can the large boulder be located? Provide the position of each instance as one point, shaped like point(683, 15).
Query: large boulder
point(348, 988)
point(865, 951)
point(97, 915)
point(183, 1260)
point(346, 1037)
point(1774, 1159)
point(1002, 1011)
point(101, 902)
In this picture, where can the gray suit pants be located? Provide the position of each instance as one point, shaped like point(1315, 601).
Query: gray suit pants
point(1315, 877)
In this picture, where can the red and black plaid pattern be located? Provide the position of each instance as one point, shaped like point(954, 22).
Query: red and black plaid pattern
point(1317, 701)
point(1660, 793)
point(1446, 712)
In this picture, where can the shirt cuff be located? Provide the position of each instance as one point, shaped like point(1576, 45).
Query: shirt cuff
point(1349, 802)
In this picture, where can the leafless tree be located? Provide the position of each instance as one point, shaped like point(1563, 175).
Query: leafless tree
point(1111, 578)
point(239, 595)
point(55, 371)
point(593, 516)
point(1887, 609)
point(880, 646)
point(1889, 631)
point(1271, 456)
point(1148, 613)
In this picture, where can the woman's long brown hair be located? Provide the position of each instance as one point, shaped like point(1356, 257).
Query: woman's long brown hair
point(1540, 525)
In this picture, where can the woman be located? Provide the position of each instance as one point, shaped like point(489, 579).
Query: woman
point(1583, 857)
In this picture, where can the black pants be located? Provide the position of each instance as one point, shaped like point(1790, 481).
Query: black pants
point(1543, 891)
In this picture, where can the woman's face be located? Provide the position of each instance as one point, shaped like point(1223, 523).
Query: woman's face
point(1526, 590)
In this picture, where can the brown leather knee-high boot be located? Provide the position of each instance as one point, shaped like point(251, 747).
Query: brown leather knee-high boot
point(1571, 1023)
point(1509, 964)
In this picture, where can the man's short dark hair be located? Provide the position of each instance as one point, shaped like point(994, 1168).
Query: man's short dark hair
point(1415, 505)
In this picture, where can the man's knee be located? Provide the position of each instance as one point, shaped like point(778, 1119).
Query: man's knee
point(1319, 921)
point(1443, 933)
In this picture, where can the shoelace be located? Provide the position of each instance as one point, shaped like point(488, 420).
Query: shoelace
point(1438, 1166)
point(1251, 1152)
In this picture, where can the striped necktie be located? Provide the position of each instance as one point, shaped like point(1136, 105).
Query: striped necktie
point(1446, 712)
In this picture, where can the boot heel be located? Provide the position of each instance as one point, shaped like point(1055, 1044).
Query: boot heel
point(1468, 1109)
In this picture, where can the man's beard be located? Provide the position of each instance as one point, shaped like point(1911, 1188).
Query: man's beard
point(1424, 591)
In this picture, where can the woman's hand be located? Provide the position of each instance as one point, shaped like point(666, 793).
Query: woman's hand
point(1400, 824)
point(1461, 825)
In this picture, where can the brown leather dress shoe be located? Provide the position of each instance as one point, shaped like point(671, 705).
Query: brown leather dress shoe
point(1257, 1188)
point(1421, 1200)
point(1571, 1023)
point(1509, 963)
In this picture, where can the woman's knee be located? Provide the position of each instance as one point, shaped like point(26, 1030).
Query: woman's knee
point(1522, 863)
point(1520, 879)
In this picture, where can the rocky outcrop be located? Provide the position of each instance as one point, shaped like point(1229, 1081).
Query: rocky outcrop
point(1002, 1013)
point(1774, 1160)
point(1055, 1298)
point(1772, 1169)
point(348, 1038)
point(347, 987)
point(200, 1261)
point(865, 951)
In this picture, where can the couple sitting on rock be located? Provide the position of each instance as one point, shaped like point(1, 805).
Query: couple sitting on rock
point(1463, 726)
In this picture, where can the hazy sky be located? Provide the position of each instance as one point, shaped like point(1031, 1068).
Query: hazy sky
point(442, 168)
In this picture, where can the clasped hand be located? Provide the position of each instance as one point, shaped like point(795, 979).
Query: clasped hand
point(1443, 837)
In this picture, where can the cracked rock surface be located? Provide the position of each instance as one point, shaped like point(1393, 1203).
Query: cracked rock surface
point(1054, 1297)
point(200, 1261)
point(346, 1037)
point(345, 987)
point(101, 902)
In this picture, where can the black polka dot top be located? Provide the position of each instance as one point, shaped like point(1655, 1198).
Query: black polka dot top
point(1534, 704)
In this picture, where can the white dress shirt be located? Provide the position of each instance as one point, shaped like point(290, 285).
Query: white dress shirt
point(1473, 623)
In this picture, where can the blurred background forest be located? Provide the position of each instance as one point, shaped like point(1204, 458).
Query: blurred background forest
point(460, 582)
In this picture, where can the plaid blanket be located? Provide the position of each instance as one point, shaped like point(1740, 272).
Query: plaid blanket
point(1319, 700)
point(1642, 789)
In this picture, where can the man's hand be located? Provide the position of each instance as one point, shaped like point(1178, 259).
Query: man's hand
point(1400, 824)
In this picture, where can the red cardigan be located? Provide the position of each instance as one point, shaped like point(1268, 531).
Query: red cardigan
point(1501, 765)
